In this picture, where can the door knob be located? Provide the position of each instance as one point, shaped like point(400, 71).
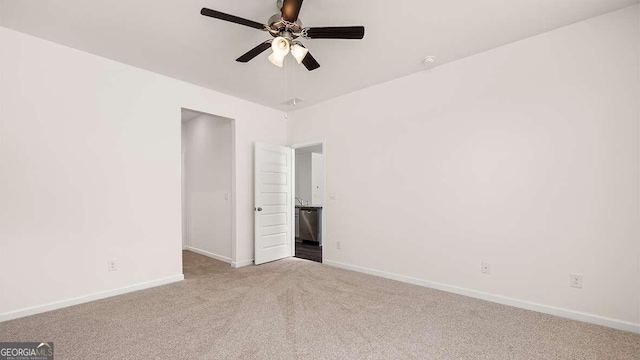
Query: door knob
point(259, 209)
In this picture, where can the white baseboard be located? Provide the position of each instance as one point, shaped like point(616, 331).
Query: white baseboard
point(239, 264)
point(546, 309)
point(87, 298)
point(208, 254)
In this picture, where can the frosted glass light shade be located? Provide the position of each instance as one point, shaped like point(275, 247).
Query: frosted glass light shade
point(280, 46)
point(299, 52)
point(276, 59)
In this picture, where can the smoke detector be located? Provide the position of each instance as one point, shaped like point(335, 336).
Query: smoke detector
point(429, 60)
point(293, 102)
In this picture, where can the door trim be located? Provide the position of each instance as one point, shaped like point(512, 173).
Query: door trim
point(324, 201)
point(234, 175)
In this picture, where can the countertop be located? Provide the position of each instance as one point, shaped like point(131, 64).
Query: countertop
point(308, 207)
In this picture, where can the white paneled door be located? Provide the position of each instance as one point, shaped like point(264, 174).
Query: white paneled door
point(273, 202)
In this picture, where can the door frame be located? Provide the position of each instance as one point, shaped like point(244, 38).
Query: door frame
point(324, 201)
point(232, 195)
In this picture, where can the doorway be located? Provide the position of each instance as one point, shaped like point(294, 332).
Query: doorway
point(310, 210)
point(207, 185)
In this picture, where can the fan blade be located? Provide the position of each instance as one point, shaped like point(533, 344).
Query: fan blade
point(341, 32)
point(310, 62)
point(231, 18)
point(291, 10)
point(254, 52)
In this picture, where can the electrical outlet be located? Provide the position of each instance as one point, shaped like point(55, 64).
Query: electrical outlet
point(486, 268)
point(338, 245)
point(112, 265)
point(575, 281)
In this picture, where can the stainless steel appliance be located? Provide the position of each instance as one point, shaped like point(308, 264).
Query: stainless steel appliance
point(309, 224)
point(297, 223)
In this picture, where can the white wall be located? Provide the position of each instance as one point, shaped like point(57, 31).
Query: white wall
point(207, 171)
point(638, 10)
point(317, 179)
point(303, 177)
point(525, 156)
point(90, 159)
point(310, 177)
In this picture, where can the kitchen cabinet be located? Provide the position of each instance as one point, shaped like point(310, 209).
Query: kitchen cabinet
point(297, 222)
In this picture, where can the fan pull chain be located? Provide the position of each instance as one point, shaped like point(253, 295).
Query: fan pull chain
point(293, 85)
point(286, 115)
point(289, 76)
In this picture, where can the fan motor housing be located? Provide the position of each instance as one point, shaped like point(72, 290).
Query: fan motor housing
point(278, 26)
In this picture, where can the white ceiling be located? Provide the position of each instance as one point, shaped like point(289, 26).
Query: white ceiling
point(188, 115)
point(310, 149)
point(171, 37)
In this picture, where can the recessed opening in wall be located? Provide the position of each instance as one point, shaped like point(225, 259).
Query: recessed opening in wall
point(207, 187)
point(310, 200)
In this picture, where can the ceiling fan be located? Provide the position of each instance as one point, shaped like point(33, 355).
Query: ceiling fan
point(286, 28)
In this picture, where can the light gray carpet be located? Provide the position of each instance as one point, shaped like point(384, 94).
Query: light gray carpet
point(297, 309)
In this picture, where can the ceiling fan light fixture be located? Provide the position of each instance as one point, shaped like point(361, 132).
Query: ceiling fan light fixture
point(276, 59)
point(286, 27)
point(280, 46)
point(299, 52)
